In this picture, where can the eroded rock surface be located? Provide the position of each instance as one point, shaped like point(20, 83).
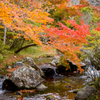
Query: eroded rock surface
point(30, 61)
point(26, 77)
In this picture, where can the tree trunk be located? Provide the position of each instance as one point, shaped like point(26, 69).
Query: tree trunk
point(5, 30)
point(25, 47)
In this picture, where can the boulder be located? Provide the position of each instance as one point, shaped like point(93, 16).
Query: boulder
point(86, 93)
point(9, 85)
point(26, 77)
point(61, 68)
point(30, 61)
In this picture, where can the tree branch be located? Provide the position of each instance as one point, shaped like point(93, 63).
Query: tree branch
point(25, 47)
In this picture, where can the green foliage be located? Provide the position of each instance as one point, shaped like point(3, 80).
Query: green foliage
point(64, 62)
point(92, 48)
point(58, 15)
point(3, 51)
point(31, 22)
point(17, 43)
point(1, 57)
point(86, 9)
point(36, 51)
point(97, 82)
point(10, 37)
point(4, 47)
point(93, 97)
point(95, 19)
point(91, 16)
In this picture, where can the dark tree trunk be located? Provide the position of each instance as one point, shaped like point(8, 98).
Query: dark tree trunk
point(25, 47)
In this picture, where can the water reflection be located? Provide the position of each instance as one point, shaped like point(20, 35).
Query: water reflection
point(61, 89)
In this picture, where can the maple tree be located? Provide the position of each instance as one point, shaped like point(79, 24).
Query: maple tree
point(13, 17)
point(68, 40)
point(29, 18)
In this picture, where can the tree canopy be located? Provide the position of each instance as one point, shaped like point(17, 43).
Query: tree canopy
point(58, 20)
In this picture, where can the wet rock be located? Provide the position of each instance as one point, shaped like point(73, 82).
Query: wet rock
point(30, 61)
point(41, 87)
point(18, 64)
point(55, 60)
point(61, 68)
point(26, 77)
point(48, 70)
point(9, 85)
point(86, 93)
point(73, 66)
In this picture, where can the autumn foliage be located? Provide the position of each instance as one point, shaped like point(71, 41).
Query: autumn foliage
point(68, 40)
point(55, 18)
point(16, 17)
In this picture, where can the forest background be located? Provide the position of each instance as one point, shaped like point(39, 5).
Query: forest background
point(49, 25)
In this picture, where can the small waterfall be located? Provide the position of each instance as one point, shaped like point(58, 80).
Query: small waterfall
point(92, 72)
point(2, 78)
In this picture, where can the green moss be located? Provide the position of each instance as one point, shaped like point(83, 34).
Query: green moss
point(36, 52)
point(93, 97)
point(86, 9)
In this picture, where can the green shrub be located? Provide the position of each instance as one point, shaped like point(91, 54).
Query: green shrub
point(92, 49)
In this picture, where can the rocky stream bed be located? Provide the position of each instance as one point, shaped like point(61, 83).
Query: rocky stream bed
point(59, 87)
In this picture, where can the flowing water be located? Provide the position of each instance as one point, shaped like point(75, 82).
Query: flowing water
point(60, 87)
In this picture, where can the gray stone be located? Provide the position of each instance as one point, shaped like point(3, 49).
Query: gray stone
point(86, 93)
point(9, 67)
point(94, 2)
point(55, 60)
point(41, 87)
point(30, 61)
point(18, 64)
point(26, 77)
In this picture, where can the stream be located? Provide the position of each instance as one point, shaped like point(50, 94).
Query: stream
point(61, 87)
